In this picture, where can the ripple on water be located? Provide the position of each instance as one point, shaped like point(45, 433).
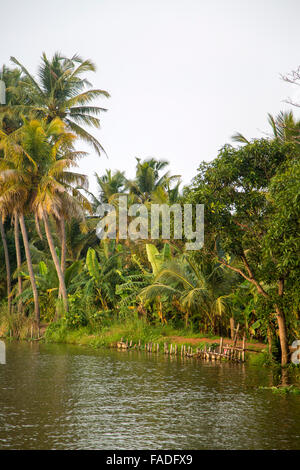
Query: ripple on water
point(58, 397)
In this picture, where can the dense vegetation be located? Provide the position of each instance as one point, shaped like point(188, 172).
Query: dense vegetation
point(59, 272)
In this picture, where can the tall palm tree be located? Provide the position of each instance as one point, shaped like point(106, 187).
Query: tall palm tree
point(51, 196)
point(60, 91)
point(14, 192)
point(9, 121)
point(41, 171)
point(19, 259)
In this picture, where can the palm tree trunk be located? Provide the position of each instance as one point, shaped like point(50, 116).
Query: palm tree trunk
point(19, 261)
point(62, 233)
point(232, 326)
point(62, 285)
point(30, 270)
point(63, 245)
point(7, 264)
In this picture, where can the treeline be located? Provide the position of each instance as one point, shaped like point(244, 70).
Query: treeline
point(55, 269)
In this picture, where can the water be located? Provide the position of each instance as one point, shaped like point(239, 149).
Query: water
point(65, 397)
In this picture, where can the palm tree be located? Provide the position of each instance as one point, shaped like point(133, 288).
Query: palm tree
point(181, 281)
point(50, 195)
point(8, 123)
point(148, 178)
point(110, 184)
point(10, 115)
point(38, 169)
point(60, 91)
point(14, 192)
point(285, 128)
point(19, 259)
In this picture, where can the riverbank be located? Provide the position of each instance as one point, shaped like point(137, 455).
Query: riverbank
point(134, 331)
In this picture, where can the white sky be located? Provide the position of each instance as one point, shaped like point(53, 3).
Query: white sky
point(183, 75)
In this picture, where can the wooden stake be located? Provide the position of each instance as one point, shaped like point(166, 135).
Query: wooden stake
point(243, 352)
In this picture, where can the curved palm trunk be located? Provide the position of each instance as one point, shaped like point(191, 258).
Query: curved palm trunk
point(62, 285)
point(7, 265)
point(30, 269)
point(19, 260)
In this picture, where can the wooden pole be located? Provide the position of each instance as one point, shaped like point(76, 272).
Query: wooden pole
point(243, 352)
point(221, 346)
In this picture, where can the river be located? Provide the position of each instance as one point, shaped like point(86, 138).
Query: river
point(69, 397)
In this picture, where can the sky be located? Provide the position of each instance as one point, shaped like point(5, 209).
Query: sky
point(183, 75)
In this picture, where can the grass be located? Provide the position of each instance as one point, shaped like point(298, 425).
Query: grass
point(16, 325)
point(133, 329)
point(260, 359)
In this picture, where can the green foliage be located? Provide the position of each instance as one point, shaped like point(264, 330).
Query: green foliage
point(249, 266)
point(289, 389)
point(76, 316)
point(260, 359)
point(93, 265)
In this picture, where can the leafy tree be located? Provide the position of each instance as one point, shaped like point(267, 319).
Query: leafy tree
point(238, 218)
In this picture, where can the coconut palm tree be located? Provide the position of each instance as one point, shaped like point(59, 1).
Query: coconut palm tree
point(14, 193)
point(60, 91)
point(41, 170)
point(54, 179)
point(148, 178)
point(10, 121)
point(110, 184)
point(10, 115)
point(19, 259)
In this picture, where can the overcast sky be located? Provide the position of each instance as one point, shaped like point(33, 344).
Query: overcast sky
point(183, 75)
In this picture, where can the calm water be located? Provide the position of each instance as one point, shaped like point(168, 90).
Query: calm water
point(63, 397)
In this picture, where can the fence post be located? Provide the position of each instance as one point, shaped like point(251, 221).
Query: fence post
point(243, 352)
